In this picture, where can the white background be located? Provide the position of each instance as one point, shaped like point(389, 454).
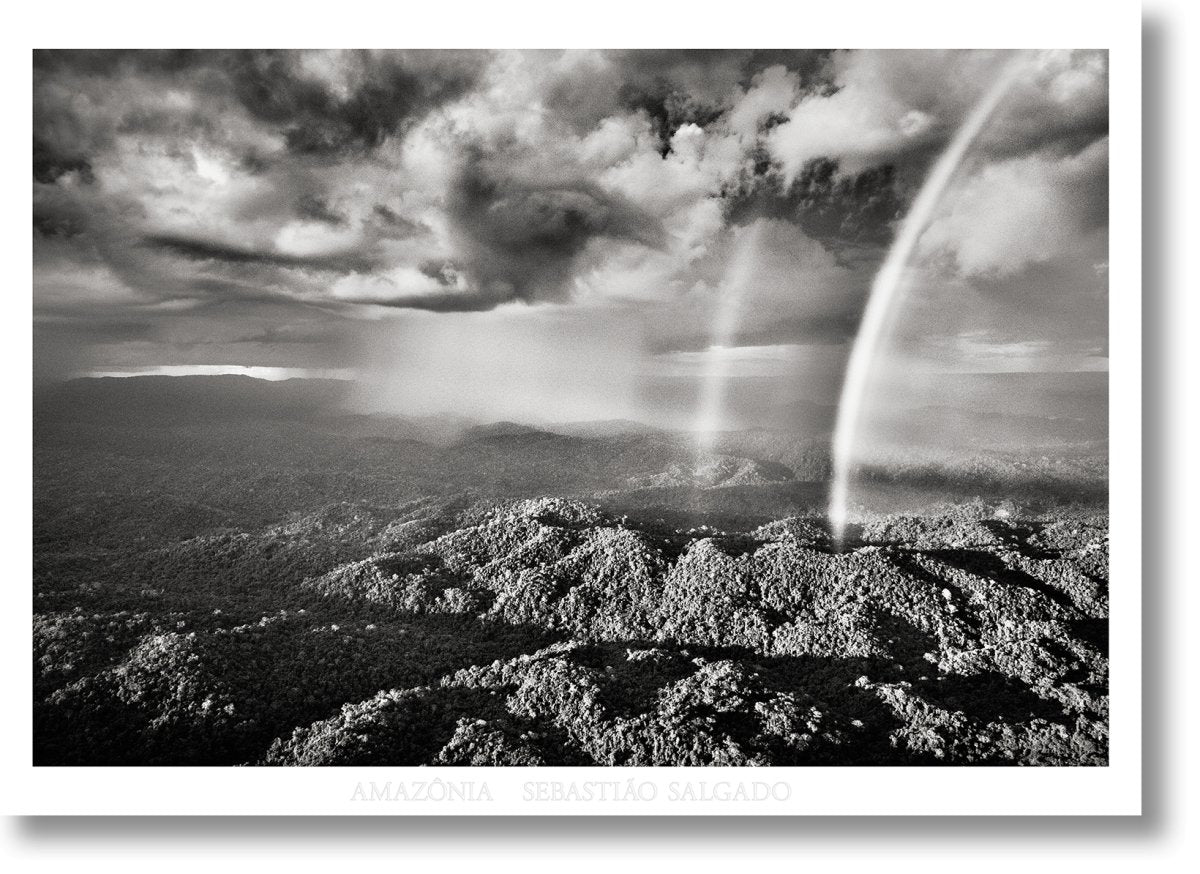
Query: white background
point(1159, 838)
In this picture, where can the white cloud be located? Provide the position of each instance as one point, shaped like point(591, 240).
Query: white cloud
point(774, 90)
point(402, 281)
point(567, 122)
point(889, 103)
point(885, 102)
point(307, 239)
point(1014, 213)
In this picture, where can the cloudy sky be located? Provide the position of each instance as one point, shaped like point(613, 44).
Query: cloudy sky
point(561, 234)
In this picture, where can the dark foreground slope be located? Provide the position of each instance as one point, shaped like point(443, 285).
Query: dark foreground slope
point(546, 632)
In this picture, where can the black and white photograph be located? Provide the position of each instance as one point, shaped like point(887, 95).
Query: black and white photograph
point(613, 437)
point(594, 408)
point(689, 427)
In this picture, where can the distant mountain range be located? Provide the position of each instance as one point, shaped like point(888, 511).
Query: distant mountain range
point(976, 409)
point(188, 398)
point(164, 457)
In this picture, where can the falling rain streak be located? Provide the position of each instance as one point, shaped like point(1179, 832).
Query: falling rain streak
point(885, 290)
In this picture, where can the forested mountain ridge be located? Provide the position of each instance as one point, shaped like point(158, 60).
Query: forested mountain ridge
point(316, 587)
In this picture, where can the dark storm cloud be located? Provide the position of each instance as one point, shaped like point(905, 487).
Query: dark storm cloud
point(111, 62)
point(50, 162)
point(58, 217)
point(206, 250)
point(437, 302)
point(711, 74)
point(838, 209)
point(253, 163)
point(383, 93)
point(397, 226)
point(1070, 135)
point(668, 109)
point(212, 291)
point(521, 236)
point(674, 87)
point(444, 273)
point(389, 90)
point(1058, 125)
point(316, 208)
point(160, 123)
point(238, 193)
point(70, 127)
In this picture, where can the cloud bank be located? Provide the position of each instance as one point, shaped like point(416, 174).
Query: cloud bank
point(315, 209)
